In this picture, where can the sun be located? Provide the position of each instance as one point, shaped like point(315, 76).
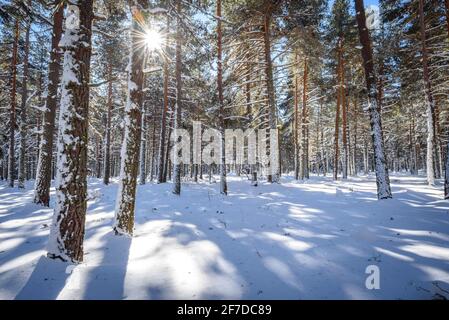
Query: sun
point(153, 40)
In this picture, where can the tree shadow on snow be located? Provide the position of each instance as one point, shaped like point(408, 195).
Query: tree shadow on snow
point(47, 280)
point(106, 279)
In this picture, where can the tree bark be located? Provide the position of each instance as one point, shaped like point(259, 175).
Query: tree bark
point(23, 111)
point(143, 150)
point(337, 119)
point(429, 100)
point(45, 161)
point(354, 152)
point(67, 230)
point(223, 183)
point(126, 196)
point(344, 116)
point(161, 178)
point(272, 119)
point(178, 107)
point(296, 121)
point(153, 149)
point(107, 147)
point(12, 113)
point(167, 163)
point(382, 177)
point(305, 128)
point(446, 167)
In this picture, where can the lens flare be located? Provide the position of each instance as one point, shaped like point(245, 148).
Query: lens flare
point(153, 40)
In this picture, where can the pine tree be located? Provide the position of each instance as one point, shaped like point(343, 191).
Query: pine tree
point(269, 7)
point(162, 160)
point(12, 112)
point(178, 103)
point(126, 195)
point(223, 183)
point(429, 100)
point(382, 177)
point(44, 166)
point(23, 108)
point(67, 230)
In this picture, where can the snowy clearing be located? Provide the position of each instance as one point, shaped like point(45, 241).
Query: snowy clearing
point(297, 240)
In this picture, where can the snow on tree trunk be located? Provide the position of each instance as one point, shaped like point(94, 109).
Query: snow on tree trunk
point(167, 163)
point(446, 177)
point(296, 121)
point(354, 153)
point(446, 168)
point(67, 230)
point(44, 165)
point(344, 135)
point(5, 162)
point(177, 119)
point(107, 147)
point(430, 110)
point(223, 182)
point(305, 129)
point(126, 195)
point(270, 82)
point(143, 152)
point(161, 151)
point(98, 155)
point(23, 111)
point(382, 177)
point(336, 136)
point(153, 150)
point(12, 113)
point(2, 163)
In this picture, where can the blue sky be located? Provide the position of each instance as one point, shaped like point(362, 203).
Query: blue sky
point(374, 2)
point(366, 2)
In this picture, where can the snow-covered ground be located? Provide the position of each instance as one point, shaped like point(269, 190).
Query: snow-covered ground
point(311, 240)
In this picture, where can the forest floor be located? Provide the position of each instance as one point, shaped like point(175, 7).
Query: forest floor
point(295, 240)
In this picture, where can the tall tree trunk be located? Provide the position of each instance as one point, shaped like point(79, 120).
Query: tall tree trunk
point(107, 147)
point(67, 230)
point(272, 119)
point(167, 167)
point(23, 111)
point(446, 167)
point(5, 162)
point(249, 113)
point(382, 177)
point(356, 121)
point(161, 153)
point(337, 118)
point(223, 183)
point(12, 113)
point(126, 195)
point(296, 120)
point(319, 162)
point(344, 124)
point(439, 146)
point(2, 163)
point(411, 147)
point(178, 107)
point(99, 150)
point(153, 149)
point(305, 126)
point(429, 100)
point(39, 120)
point(143, 151)
point(45, 162)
